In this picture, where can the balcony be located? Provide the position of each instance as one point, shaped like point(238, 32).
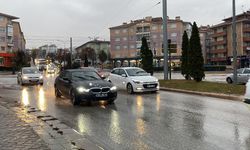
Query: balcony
point(219, 42)
point(219, 34)
point(218, 51)
point(246, 39)
point(217, 59)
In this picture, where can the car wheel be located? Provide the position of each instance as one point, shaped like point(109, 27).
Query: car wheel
point(130, 89)
point(229, 80)
point(74, 99)
point(57, 93)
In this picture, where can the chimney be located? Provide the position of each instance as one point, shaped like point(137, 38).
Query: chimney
point(177, 18)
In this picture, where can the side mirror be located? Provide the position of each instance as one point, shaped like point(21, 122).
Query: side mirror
point(124, 75)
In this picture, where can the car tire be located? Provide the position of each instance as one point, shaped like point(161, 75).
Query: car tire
point(229, 81)
point(74, 99)
point(57, 93)
point(130, 89)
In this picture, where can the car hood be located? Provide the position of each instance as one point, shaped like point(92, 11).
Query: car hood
point(32, 75)
point(90, 84)
point(145, 78)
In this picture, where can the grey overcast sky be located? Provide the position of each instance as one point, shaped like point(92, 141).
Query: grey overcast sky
point(54, 21)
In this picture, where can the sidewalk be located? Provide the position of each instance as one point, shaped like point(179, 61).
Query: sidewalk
point(16, 134)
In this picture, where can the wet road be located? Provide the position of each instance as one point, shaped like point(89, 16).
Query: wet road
point(149, 121)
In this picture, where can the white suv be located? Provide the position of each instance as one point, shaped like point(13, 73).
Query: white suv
point(133, 79)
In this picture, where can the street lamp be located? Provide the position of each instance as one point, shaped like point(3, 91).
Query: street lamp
point(234, 46)
point(165, 41)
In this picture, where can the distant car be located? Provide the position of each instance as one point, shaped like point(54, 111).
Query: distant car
point(51, 68)
point(133, 79)
point(84, 85)
point(29, 75)
point(243, 75)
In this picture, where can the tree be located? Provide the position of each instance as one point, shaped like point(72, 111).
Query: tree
point(34, 54)
point(20, 60)
point(146, 56)
point(86, 62)
point(102, 57)
point(90, 52)
point(195, 56)
point(60, 55)
point(185, 68)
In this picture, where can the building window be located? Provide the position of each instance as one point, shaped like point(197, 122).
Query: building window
point(1, 18)
point(220, 39)
point(2, 39)
point(1, 61)
point(173, 25)
point(2, 48)
point(154, 36)
point(132, 46)
point(118, 47)
point(173, 34)
point(125, 47)
point(125, 38)
point(2, 29)
point(117, 31)
point(154, 27)
point(117, 39)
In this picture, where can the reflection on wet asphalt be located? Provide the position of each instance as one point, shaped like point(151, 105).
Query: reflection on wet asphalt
point(150, 121)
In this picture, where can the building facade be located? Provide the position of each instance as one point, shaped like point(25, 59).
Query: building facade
point(221, 48)
point(125, 40)
point(97, 46)
point(47, 49)
point(11, 39)
point(205, 42)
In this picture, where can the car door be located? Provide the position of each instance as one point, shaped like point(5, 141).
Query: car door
point(66, 83)
point(122, 79)
point(240, 75)
point(114, 77)
point(245, 75)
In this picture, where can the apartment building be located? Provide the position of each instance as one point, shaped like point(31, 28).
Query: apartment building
point(97, 46)
point(221, 48)
point(11, 39)
point(47, 49)
point(125, 39)
point(205, 42)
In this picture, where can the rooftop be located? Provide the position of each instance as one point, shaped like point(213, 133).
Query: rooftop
point(8, 16)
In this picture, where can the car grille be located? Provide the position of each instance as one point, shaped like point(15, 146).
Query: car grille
point(99, 90)
point(105, 89)
point(149, 86)
point(33, 77)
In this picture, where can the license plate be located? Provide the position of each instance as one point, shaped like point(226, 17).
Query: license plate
point(101, 95)
point(150, 86)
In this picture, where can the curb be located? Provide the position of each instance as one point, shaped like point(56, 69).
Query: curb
point(223, 96)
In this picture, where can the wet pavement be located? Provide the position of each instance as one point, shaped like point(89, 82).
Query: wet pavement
point(163, 120)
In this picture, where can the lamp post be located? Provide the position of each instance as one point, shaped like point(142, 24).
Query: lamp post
point(165, 41)
point(234, 45)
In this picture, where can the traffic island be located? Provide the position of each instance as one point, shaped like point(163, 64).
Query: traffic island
point(211, 89)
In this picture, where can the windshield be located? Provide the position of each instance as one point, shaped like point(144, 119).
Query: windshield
point(136, 72)
point(30, 71)
point(85, 75)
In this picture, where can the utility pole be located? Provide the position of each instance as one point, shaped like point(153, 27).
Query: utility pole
point(71, 52)
point(234, 46)
point(165, 41)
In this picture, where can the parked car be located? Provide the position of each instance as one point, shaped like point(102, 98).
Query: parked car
point(243, 75)
point(30, 75)
point(247, 92)
point(84, 85)
point(133, 79)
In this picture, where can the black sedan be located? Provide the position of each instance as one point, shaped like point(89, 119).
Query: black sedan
point(84, 85)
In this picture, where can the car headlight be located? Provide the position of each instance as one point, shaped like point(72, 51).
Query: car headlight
point(137, 82)
point(25, 77)
point(40, 77)
point(82, 90)
point(113, 88)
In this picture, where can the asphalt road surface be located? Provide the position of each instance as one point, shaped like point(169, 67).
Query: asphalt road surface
point(163, 120)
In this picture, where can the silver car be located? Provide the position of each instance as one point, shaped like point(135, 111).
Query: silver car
point(30, 75)
point(243, 75)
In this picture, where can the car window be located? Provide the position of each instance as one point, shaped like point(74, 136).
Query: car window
point(136, 72)
point(116, 71)
point(121, 72)
point(30, 71)
point(247, 71)
point(239, 70)
point(85, 75)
